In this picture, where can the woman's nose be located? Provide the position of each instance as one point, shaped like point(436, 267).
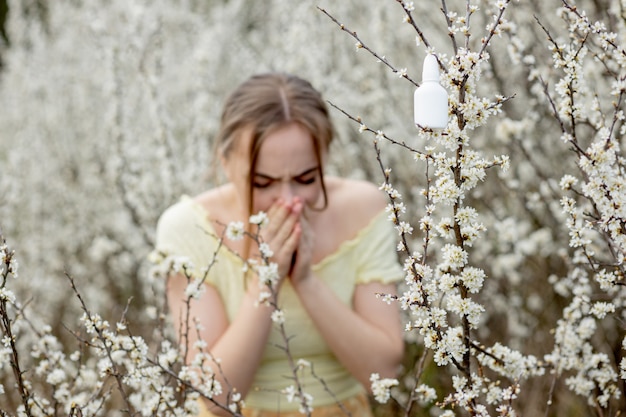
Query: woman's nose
point(286, 191)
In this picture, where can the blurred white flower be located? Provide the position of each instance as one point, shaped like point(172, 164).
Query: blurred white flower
point(278, 316)
point(235, 230)
point(425, 394)
point(260, 219)
point(265, 250)
point(268, 274)
point(195, 288)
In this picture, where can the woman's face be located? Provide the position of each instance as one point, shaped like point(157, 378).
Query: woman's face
point(286, 168)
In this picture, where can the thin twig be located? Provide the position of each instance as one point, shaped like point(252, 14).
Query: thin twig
point(106, 347)
point(419, 369)
point(444, 9)
point(361, 45)
point(367, 129)
point(7, 330)
point(411, 20)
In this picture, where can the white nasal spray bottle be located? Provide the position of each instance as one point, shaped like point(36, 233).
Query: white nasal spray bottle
point(430, 100)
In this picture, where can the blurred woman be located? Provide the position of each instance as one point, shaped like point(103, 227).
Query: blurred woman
point(330, 239)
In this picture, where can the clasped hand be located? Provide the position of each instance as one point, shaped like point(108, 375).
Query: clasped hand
point(290, 238)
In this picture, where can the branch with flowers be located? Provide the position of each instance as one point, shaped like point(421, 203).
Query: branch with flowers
point(111, 365)
point(442, 298)
point(114, 361)
point(593, 208)
point(267, 272)
point(115, 368)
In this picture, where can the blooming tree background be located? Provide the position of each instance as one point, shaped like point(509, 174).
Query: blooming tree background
point(511, 220)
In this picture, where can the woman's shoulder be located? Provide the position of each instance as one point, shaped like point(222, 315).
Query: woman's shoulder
point(213, 198)
point(352, 193)
point(190, 210)
point(182, 216)
point(217, 202)
point(177, 211)
point(219, 207)
point(355, 202)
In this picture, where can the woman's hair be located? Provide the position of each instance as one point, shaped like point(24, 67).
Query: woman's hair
point(267, 102)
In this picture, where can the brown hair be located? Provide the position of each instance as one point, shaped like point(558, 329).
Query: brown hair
point(266, 102)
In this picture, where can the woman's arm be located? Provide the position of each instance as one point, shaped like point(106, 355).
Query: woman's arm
point(237, 345)
point(367, 339)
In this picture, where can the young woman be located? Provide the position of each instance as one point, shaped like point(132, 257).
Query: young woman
point(331, 241)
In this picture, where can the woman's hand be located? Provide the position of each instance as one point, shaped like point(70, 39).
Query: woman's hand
point(282, 233)
point(301, 270)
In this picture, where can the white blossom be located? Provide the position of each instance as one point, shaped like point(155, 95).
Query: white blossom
point(425, 394)
point(601, 309)
point(453, 257)
point(473, 279)
point(260, 219)
point(265, 250)
point(278, 316)
point(235, 230)
point(195, 289)
point(7, 295)
point(268, 274)
point(381, 388)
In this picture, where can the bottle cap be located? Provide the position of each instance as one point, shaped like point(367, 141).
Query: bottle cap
point(430, 71)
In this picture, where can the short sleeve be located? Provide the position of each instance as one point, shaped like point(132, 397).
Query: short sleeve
point(377, 256)
point(184, 232)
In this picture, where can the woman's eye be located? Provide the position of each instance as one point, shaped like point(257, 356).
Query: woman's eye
point(261, 184)
point(305, 181)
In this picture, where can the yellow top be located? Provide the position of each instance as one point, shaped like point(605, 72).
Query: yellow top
point(185, 230)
